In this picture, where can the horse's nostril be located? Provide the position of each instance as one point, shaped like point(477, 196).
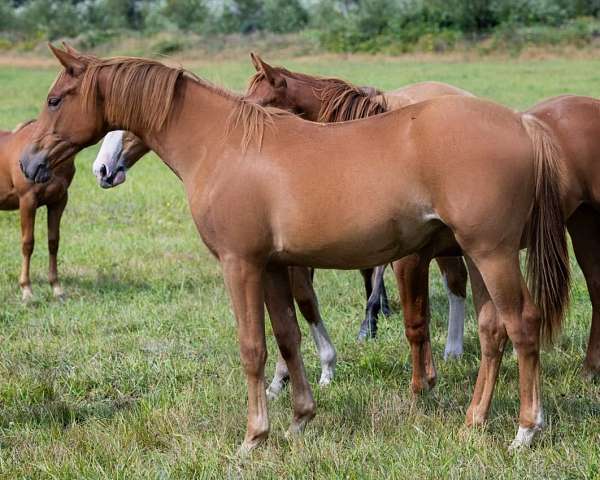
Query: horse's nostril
point(103, 170)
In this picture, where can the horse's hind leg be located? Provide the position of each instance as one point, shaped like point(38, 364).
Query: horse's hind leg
point(27, 210)
point(412, 275)
point(517, 316)
point(280, 304)
point(306, 298)
point(492, 339)
point(368, 328)
point(584, 228)
point(55, 212)
point(454, 275)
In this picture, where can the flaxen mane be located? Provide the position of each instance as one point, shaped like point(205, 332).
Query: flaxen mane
point(145, 89)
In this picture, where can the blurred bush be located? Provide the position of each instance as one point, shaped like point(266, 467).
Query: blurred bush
point(391, 26)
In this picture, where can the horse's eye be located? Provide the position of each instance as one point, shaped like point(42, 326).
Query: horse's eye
point(54, 102)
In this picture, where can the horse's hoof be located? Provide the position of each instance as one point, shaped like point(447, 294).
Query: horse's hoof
point(59, 293)
point(27, 295)
point(326, 379)
point(524, 438)
point(299, 425)
point(590, 372)
point(366, 333)
point(249, 445)
point(452, 353)
point(387, 311)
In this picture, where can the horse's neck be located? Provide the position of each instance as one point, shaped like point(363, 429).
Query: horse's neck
point(195, 132)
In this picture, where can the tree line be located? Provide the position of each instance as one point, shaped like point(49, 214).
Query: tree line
point(338, 25)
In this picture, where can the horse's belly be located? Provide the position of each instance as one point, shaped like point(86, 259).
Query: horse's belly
point(348, 245)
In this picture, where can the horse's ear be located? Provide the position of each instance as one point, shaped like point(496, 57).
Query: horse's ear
point(72, 64)
point(255, 61)
point(273, 76)
point(69, 49)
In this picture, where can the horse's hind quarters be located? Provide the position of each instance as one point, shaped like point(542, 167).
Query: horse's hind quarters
point(35, 166)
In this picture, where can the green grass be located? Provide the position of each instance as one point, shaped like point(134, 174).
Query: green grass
point(137, 375)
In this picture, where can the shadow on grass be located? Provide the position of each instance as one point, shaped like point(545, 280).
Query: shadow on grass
point(56, 411)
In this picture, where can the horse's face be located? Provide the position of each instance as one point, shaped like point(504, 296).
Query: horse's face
point(120, 150)
point(65, 125)
point(270, 88)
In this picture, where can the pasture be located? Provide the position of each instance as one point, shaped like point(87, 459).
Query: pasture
point(137, 374)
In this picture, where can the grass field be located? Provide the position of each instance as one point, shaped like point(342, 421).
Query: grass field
point(137, 374)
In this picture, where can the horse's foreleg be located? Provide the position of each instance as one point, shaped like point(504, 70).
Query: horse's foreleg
point(244, 282)
point(280, 304)
point(412, 275)
point(517, 314)
point(584, 228)
point(368, 328)
point(306, 298)
point(55, 212)
point(454, 275)
point(27, 210)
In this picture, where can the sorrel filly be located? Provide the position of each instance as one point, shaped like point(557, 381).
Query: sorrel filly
point(267, 190)
point(571, 118)
point(334, 100)
point(17, 193)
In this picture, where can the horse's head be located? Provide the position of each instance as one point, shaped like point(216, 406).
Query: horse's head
point(67, 123)
point(278, 87)
point(120, 150)
point(92, 96)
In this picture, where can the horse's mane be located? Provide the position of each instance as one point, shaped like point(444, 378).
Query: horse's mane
point(22, 125)
point(142, 88)
point(341, 101)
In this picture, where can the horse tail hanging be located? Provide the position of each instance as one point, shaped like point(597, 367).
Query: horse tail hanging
point(547, 251)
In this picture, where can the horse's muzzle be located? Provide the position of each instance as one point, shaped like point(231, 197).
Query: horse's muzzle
point(35, 166)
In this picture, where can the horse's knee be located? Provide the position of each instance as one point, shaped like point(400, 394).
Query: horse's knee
point(27, 246)
point(254, 356)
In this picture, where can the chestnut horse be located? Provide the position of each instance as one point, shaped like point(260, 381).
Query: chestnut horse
point(120, 151)
point(268, 190)
point(17, 193)
point(571, 118)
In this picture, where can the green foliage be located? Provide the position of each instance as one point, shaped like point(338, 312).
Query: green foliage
point(340, 25)
point(187, 15)
point(282, 16)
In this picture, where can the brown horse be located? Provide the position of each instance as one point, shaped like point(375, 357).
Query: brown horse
point(17, 193)
point(572, 119)
point(268, 190)
point(334, 100)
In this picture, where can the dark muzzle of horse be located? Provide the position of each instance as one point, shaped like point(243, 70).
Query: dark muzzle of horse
point(35, 166)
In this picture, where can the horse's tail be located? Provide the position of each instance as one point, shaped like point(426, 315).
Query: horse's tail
point(547, 251)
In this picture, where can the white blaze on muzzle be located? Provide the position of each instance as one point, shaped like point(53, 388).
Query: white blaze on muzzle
point(109, 154)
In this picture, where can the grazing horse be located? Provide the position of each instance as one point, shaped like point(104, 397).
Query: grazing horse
point(17, 193)
point(267, 190)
